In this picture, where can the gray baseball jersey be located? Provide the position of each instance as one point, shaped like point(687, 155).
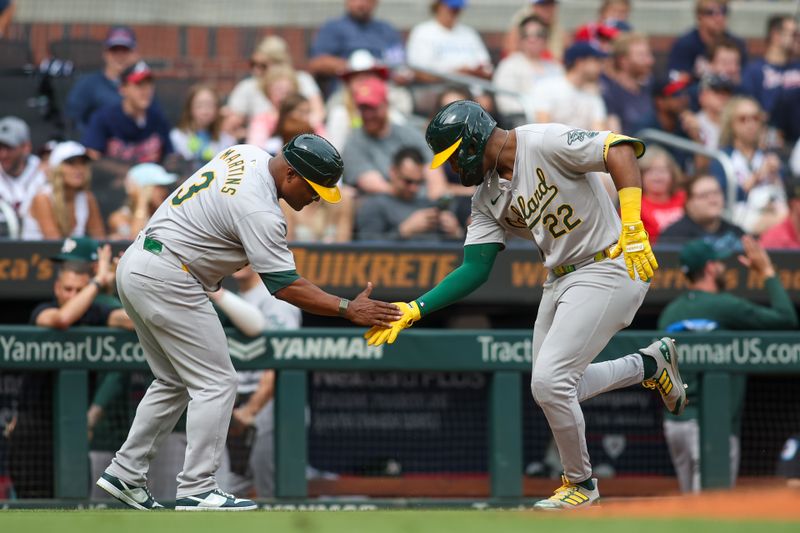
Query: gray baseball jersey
point(225, 216)
point(550, 199)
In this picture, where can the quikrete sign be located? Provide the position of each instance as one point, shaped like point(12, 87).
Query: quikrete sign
point(403, 272)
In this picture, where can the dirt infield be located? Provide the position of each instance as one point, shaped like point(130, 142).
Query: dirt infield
point(779, 503)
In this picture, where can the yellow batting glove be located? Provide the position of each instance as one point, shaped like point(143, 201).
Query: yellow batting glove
point(378, 335)
point(635, 245)
point(634, 242)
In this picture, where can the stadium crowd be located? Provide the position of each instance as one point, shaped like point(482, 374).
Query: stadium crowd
point(711, 92)
point(370, 92)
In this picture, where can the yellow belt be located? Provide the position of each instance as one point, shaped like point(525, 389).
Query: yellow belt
point(563, 270)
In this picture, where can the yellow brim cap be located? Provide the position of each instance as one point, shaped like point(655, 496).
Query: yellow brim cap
point(440, 158)
point(332, 195)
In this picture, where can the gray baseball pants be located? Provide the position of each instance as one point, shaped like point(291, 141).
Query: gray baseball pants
point(187, 351)
point(578, 315)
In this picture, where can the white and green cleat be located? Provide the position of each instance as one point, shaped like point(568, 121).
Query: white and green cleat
point(214, 500)
point(569, 496)
point(667, 380)
point(138, 498)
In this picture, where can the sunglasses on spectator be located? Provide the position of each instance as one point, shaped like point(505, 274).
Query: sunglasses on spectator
point(748, 118)
point(714, 11)
point(260, 65)
point(412, 182)
point(541, 34)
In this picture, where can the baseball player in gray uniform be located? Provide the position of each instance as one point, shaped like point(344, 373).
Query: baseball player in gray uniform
point(222, 218)
point(537, 182)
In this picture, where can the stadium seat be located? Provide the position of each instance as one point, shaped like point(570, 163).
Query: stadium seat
point(15, 57)
point(85, 54)
point(20, 95)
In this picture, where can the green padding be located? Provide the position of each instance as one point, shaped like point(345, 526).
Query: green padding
point(275, 281)
point(473, 272)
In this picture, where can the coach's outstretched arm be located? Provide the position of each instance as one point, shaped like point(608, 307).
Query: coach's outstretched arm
point(300, 292)
point(471, 274)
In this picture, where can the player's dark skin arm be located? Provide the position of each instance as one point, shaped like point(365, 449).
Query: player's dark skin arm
point(621, 164)
point(362, 311)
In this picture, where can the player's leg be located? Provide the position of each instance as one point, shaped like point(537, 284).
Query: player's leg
point(591, 307)
point(682, 437)
point(262, 458)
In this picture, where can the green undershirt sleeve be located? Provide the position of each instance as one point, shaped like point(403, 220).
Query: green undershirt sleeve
point(473, 272)
point(275, 281)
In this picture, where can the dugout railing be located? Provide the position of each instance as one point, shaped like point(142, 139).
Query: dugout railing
point(72, 354)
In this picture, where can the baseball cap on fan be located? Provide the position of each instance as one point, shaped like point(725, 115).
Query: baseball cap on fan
point(371, 92)
point(136, 73)
point(66, 151)
point(120, 36)
point(695, 254)
point(145, 174)
point(82, 249)
point(14, 132)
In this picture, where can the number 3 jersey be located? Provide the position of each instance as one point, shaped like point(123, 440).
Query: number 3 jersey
point(225, 216)
point(553, 198)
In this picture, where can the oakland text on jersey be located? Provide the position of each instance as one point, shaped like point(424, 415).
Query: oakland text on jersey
point(534, 205)
point(235, 163)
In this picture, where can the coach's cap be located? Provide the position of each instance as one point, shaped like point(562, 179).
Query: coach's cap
point(145, 174)
point(581, 50)
point(695, 254)
point(78, 249)
point(14, 131)
point(120, 36)
point(318, 162)
point(66, 151)
point(136, 73)
point(370, 92)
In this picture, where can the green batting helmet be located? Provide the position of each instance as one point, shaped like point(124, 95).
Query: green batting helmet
point(318, 162)
point(462, 127)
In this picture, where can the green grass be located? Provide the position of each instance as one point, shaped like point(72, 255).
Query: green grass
point(411, 521)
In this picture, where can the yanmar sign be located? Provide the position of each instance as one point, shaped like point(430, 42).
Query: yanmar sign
point(311, 348)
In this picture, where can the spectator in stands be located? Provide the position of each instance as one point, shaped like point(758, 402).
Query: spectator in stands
point(254, 408)
point(725, 60)
point(343, 115)
point(626, 85)
point(278, 84)
point(445, 45)
point(7, 9)
point(147, 186)
point(294, 118)
point(765, 79)
point(663, 197)
point(65, 207)
point(75, 291)
point(611, 21)
point(671, 114)
point(691, 52)
point(785, 116)
point(248, 98)
point(786, 235)
point(21, 175)
point(760, 193)
point(96, 90)
point(524, 69)
point(573, 99)
point(369, 150)
point(402, 215)
point(199, 136)
point(706, 306)
point(703, 218)
point(547, 12)
point(339, 38)
point(133, 130)
point(715, 92)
